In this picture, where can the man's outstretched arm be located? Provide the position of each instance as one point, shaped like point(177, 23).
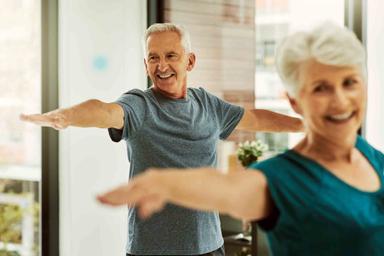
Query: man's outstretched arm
point(91, 113)
point(269, 121)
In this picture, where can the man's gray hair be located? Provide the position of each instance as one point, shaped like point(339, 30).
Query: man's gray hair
point(165, 27)
point(328, 44)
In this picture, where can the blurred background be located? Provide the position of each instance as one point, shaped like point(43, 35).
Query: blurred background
point(56, 53)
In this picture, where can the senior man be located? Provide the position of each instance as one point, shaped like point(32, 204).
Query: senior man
point(169, 125)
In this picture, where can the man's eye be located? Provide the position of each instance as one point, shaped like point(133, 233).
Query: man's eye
point(172, 56)
point(152, 58)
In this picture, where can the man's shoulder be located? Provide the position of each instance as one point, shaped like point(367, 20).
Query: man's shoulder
point(200, 92)
point(197, 90)
point(138, 92)
point(135, 97)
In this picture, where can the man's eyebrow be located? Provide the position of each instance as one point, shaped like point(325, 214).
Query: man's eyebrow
point(151, 54)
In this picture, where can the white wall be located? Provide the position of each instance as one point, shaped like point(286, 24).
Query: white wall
point(374, 128)
point(100, 57)
point(306, 14)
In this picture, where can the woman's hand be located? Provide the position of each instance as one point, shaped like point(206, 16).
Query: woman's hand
point(146, 192)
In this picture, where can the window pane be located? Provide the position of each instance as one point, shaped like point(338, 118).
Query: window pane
point(20, 143)
point(374, 125)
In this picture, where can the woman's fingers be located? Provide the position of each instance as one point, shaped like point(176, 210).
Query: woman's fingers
point(143, 192)
point(150, 205)
point(121, 195)
point(136, 194)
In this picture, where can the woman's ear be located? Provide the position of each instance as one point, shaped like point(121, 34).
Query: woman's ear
point(294, 104)
point(191, 61)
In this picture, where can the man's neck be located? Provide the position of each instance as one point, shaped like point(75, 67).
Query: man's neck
point(182, 94)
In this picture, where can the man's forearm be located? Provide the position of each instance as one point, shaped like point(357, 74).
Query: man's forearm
point(269, 121)
point(91, 113)
point(275, 122)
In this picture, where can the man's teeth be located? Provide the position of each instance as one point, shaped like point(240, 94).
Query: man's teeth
point(341, 116)
point(165, 76)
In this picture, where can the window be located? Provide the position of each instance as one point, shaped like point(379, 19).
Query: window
point(20, 143)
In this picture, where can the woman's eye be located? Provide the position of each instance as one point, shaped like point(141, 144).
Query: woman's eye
point(349, 82)
point(320, 88)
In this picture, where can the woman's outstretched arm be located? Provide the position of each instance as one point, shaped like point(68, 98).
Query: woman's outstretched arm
point(242, 194)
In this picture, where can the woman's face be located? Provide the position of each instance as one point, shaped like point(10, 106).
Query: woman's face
point(331, 99)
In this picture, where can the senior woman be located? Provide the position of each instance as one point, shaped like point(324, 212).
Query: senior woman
point(324, 196)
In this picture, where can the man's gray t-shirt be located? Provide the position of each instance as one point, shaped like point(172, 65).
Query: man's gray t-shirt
point(182, 133)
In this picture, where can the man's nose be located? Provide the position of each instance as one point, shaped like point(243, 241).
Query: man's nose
point(163, 65)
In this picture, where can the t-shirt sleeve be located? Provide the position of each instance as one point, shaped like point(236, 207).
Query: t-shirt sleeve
point(274, 189)
point(227, 114)
point(133, 104)
point(286, 189)
point(275, 186)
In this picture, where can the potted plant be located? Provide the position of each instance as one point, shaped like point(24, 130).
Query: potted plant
point(250, 151)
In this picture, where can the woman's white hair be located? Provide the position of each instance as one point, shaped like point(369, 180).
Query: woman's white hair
point(328, 44)
point(165, 27)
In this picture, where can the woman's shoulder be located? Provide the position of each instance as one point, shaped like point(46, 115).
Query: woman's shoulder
point(370, 151)
point(279, 165)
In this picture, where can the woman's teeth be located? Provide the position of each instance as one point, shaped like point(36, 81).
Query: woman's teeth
point(341, 117)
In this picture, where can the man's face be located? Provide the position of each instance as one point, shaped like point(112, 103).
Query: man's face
point(167, 64)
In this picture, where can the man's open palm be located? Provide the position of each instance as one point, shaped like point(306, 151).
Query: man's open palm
point(51, 119)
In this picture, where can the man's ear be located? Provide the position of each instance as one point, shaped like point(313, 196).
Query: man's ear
point(146, 67)
point(294, 104)
point(191, 61)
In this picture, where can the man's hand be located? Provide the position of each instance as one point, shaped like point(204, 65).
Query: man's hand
point(55, 119)
point(90, 113)
point(145, 192)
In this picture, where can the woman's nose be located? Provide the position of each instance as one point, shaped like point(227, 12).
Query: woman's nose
point(340, 98)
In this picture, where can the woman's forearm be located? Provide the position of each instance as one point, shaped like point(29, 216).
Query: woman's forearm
point(204, 189)
point(242, 194)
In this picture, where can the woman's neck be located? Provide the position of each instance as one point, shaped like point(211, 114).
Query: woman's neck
point(322, 148)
